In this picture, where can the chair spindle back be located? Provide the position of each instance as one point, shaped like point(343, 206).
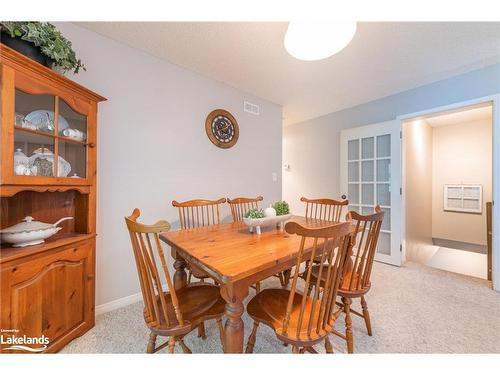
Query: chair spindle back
point(316, 312)
point(240, 206)
point(147, 248)
point(324, 208)
point(364, 248)
point(198, 212)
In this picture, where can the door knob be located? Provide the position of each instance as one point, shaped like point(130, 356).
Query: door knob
point(343, 196)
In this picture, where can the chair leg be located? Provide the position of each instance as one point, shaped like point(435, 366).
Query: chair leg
point(190, 275)
point(184, 347)
point(310, 289)
point(251, 338)
point(257, 287)
point(151, 343)
point(171, 344)
point(348, 324)
point(286, 276)
point(366, 316)
point(295, 349)
point(221, 332)
point(282, 281)
point(328, 346)
point(201, 331)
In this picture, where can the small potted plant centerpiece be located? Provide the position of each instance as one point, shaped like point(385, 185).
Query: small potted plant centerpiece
point(42, 42)
point(277, 214)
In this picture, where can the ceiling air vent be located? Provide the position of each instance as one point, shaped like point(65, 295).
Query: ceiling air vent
point(251, 108)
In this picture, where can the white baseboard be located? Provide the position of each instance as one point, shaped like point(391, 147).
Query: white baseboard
point(118, 303)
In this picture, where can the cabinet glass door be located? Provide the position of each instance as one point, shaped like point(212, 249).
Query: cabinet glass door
point(34, 130)
point(72, 140)
point(41, 137)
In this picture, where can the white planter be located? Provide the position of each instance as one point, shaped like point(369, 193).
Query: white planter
point(255, 225)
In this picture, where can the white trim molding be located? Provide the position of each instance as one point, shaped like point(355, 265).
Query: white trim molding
point(117, 303)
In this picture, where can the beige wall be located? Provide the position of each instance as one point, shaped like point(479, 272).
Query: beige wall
point(418, 152)
point(153, 147)
point(462, 154)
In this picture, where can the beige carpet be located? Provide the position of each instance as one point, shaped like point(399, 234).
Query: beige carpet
point(414, 309)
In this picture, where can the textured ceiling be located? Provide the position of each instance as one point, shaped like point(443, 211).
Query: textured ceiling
point(382, 59)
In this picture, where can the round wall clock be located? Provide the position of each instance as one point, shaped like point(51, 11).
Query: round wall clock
point(222, 128)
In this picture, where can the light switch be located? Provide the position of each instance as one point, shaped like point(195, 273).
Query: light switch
point(275, 177)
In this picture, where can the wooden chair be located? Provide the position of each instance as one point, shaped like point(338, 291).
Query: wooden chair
point(357, 271)
point(172, 313)
point(197, 213)
point(194, 214)
point(324, 208)
point(295, 317)
point(240, 206)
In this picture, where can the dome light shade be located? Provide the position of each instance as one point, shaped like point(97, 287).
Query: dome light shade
point(311, 41)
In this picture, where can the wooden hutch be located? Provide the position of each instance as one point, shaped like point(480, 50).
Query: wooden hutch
point(47, 289)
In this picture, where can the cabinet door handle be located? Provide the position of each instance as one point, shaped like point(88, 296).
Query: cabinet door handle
point(91, 145)
point(90, 277)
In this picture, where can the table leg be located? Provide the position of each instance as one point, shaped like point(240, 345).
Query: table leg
point(180, 276)
point(234, 328)
point(348, 267)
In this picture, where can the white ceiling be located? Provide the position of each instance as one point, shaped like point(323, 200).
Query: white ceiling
point(382, 59)
point(461, 116)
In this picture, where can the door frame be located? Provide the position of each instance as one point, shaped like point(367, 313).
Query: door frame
point(396, 204)
point(495, 101)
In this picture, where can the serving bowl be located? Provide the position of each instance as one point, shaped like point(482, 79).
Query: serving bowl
point(30, 232)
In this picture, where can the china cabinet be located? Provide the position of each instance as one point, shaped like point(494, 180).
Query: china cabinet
point(47, 171)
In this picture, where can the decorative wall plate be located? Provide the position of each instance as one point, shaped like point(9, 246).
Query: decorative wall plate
point(222, 128)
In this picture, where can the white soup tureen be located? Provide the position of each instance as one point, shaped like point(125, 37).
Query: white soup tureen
point(30, 232)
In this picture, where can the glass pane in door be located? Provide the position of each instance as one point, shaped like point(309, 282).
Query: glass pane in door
point(383, 194)
point(384, 243)
point(72, 159)
point(34, 112)
point(367, 145)
point(34, 154)
point(367, 171)
point(386, 223)
point(384, 170)
point(353, 171)
point(72, 124)
point(384, 146)
point(353, 149)
point(367, 194)
point(353, 208)
point(353, 193)
point(367, 210)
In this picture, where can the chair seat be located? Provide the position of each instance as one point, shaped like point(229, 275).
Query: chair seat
point(344, 289)
point(198, 272)
point(269, 307)
point(197, 303)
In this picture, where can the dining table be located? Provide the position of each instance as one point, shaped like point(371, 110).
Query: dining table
point(236, 259)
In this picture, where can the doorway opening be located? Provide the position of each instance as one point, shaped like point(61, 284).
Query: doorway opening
point(448, 163)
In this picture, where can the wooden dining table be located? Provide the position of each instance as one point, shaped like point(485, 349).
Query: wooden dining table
point(236, 259)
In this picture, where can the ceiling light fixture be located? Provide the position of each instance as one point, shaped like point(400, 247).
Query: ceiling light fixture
point(311, 41)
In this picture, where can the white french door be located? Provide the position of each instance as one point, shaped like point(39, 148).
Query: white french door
point(370, 174)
